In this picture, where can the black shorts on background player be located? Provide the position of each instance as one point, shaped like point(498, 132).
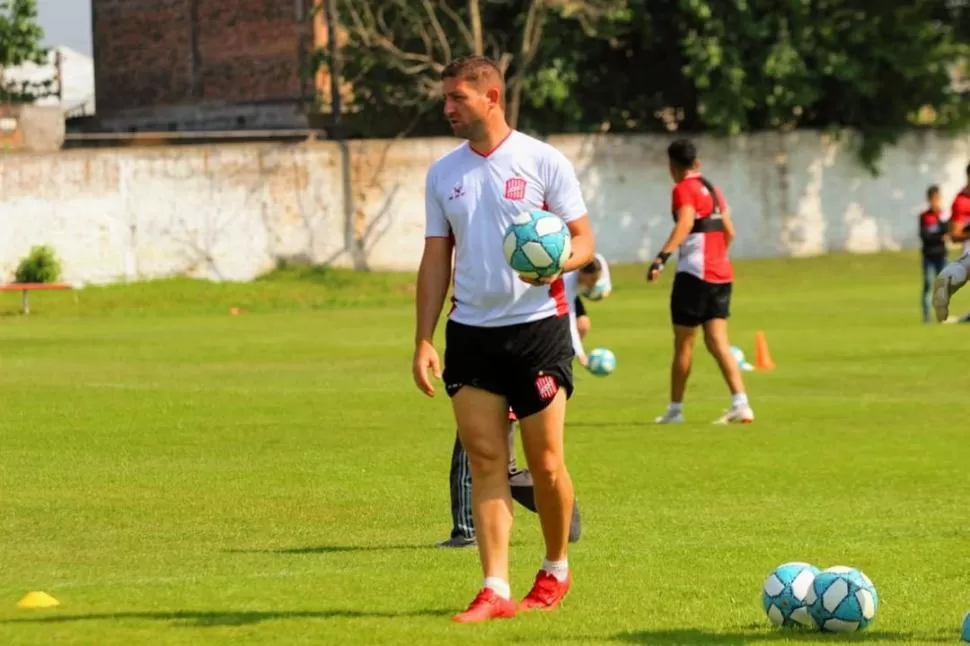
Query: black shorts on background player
point(525, 363)
point(694, 301)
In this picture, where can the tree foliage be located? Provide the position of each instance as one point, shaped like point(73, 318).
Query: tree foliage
point(20, 36)
point(879, 68)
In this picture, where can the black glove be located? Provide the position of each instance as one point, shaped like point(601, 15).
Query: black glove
point(657, 264)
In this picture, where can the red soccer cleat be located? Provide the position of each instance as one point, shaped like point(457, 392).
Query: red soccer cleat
point(487, 605)
point(547, 592)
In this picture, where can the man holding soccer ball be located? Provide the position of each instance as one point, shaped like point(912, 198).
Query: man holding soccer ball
point(593, 282)
point(701, 295)
point(507, 342)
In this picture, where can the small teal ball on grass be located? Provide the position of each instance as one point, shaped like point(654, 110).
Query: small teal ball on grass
point(842, 600)
point(784, 592)
point(602, 362)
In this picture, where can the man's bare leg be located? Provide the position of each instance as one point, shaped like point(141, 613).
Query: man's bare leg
point(542, 441)
point(483, 425)
point(716, 340)
point(680, 367)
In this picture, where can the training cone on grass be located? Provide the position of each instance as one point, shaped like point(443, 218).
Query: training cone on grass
point(762, 358)
point(38, 600)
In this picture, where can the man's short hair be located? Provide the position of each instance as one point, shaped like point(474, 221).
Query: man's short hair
point(682, 153)
point(968, 170)
point(594, 266)
point(476, 70)
point(931, 191)
point(473, 69)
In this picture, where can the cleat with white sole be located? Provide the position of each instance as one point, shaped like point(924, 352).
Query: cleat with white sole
point(670, 417)
point(736, 415)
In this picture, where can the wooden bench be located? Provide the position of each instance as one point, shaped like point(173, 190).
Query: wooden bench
point(26, 288)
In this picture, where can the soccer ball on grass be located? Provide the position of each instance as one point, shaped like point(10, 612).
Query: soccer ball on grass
point(784, 593)
point(842, 600)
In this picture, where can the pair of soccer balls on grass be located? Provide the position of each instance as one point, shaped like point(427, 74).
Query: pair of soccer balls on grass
point(839, 599)
point(537, 244)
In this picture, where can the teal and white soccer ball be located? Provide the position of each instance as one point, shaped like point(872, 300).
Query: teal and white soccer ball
point(965, 630)
point(842, 600)
point(537, 244)
point(738, 355)
point(601, 362)
point(784, 594)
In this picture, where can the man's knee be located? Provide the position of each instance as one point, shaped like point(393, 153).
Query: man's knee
point(583, 325)
point(485, 455)
point(483, 427)
point(713, 344)
point(548, 469)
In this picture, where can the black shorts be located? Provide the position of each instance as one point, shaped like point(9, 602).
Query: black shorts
point(694, 301)
point(526, 363)
point(579, 307)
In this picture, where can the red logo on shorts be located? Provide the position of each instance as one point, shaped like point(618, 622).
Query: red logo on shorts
point(515, 188)
point(547, 387)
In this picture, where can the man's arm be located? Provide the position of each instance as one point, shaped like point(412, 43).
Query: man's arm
point(685, 222)
point(729, 233)
point(564, 197)
point(434, 273)
point(434, 276)
point(955, 229)
point(583, 244)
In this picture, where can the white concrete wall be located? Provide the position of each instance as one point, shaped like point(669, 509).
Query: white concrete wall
point(229, 212)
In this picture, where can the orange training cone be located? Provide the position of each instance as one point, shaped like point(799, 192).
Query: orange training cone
point(762, 358)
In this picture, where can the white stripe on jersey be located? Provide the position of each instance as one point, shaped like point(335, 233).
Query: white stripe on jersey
point(475, 198)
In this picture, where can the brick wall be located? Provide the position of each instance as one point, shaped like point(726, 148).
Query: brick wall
point(156, 55)
point(142, 53)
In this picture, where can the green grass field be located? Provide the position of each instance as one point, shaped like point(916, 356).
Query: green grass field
point(176, 475)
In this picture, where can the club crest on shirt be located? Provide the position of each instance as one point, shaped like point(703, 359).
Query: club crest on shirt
point(515, 188)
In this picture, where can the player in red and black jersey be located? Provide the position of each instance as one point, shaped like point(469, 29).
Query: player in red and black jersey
point(701, 295)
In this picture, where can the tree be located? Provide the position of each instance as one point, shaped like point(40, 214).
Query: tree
point(396, 49)
point(868, 65)
point(20, 37)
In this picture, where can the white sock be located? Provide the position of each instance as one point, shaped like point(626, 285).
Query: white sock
point(499, 586)
point(558, 569)
point(676, 407)
point(739, 400)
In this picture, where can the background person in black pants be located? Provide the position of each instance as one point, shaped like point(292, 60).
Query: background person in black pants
point(520, 481)
point(932, 232)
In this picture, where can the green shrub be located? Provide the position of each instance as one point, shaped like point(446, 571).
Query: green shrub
point(40, 266)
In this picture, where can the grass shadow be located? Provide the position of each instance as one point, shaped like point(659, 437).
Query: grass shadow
point(335, 549)
point(693, 636)
point(205, 619)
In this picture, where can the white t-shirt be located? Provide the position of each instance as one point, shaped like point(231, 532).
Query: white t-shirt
point(474, 198)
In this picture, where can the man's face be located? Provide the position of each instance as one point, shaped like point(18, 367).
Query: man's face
point(936, 204)
point(466, 106)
